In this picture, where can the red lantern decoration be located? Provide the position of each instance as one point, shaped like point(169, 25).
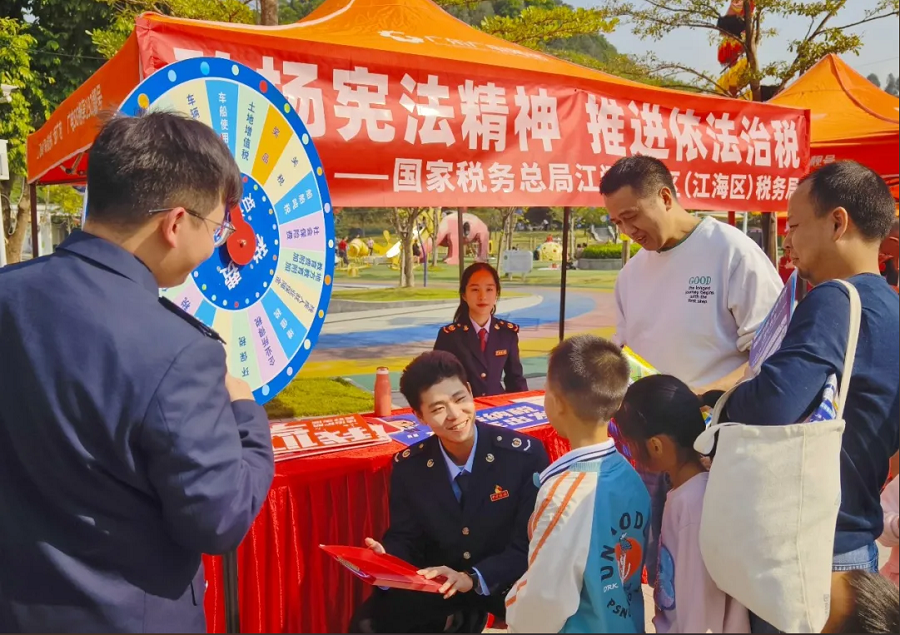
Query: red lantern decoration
point(730, 51)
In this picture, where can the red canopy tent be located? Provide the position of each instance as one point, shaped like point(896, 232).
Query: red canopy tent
point(410, 107)
point(851, 118)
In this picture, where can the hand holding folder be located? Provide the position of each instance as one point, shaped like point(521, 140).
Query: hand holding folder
point(382, 569)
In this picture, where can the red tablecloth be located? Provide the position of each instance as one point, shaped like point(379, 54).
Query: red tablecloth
point(286, 583)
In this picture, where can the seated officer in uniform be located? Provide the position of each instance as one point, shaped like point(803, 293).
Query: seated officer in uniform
point(460, 504)
point(488, 348)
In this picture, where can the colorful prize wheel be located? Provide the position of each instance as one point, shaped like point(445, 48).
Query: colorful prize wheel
point(265, 291)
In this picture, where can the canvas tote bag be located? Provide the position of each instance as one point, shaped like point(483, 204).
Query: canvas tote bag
point(771, 505)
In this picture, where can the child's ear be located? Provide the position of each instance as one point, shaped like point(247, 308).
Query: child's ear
point(655, 447)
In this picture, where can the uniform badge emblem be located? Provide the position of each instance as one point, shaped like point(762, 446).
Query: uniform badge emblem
point(500, 353)
point(517, 443)
point(405, 454)
point(489, 458)
point(499, 494)
point(496, 327)
point(430, 463)
point(465, 328)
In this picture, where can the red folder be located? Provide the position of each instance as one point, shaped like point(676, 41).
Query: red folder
point(382, 570)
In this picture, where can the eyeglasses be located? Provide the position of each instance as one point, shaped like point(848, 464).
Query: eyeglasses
point(222, 232)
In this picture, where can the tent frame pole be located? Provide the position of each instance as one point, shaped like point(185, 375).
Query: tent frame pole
point(230, 584)
point(567, 220)
point(35, 229)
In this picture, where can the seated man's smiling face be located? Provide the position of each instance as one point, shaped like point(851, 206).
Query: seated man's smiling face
point(448, 408)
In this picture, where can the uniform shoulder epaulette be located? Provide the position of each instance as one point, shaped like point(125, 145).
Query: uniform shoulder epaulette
point(190, 319)
point(412, 450)
point(452, 328)
point(504, 324)
point(509, 440)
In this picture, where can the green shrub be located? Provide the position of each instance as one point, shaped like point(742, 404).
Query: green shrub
point(609, 251)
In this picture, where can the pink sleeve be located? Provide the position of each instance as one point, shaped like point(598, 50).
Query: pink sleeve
point(890, 503)
point(702, 607)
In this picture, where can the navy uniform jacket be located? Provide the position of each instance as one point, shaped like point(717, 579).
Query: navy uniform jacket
point(490, 532)
point(122, 457)
point(487, 371)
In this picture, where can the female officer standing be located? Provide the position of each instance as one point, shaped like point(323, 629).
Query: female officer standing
point(487, 347)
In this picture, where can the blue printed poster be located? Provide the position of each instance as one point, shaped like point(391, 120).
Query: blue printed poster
point(770, 335)
point(408, 430)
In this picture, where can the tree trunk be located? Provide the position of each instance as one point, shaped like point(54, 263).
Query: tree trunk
point(404, 222)
point(407, 260)
point(268, 12)
point(751, 39)
point(434, 247)
point(15, 238)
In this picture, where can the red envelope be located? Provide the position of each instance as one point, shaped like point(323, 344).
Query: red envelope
point(382, 570)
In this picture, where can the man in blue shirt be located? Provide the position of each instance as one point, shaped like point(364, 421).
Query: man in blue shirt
point(837, 219)
point(460, 504)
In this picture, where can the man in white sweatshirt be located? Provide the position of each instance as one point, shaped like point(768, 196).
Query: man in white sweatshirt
point(691, 300)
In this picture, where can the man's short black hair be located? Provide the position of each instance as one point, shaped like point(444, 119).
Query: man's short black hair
point(859, 190)
point(875, 604)
point(159, 160)
point(592, 374)
point(645, 175)
point(425, 371)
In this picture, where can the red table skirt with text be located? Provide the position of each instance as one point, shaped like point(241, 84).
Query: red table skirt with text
point(286, 583)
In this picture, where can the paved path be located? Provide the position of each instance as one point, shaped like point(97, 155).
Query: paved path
point(354, 345)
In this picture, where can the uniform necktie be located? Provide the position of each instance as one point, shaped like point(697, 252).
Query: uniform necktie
point(482, 336)
point(462, 482)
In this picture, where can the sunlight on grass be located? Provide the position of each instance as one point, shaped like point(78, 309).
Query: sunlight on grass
point(396, 294)
point(318, 397)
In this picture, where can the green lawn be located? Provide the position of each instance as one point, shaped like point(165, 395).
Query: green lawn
point(319, 397)
point(397, 294)
point(447, 276)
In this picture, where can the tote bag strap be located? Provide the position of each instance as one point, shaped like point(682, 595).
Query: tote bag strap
point(849, 358)
point(852, 340)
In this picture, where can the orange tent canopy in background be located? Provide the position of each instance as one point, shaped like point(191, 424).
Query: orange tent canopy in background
point(409, 106)
point(851, 118)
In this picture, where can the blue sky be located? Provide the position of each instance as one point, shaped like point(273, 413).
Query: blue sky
point(878, 55)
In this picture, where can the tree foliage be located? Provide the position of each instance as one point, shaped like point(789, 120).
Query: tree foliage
point(109, 40)
point(16, 123)
point(537, 26)
point(872, 77)
point(891, 86)
point(290, 11)
point(826, 33)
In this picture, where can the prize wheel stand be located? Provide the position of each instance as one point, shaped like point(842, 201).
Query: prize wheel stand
point(266, 291)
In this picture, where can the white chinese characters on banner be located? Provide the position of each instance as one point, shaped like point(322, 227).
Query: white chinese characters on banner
point(435, 125)
point(606, 125)
point(433, 111)
point(537, 117)
point(360, 100)
point(484, 111)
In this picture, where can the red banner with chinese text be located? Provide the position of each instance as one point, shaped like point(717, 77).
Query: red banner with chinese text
point(395, 131)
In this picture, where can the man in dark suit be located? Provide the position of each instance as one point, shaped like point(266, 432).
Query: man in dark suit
point(460, 504)
point(493, 367)
point(126, 451)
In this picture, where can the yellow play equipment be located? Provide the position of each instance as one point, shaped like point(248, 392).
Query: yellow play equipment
point(551, 252)
point(425, 220)
point(357, 249)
